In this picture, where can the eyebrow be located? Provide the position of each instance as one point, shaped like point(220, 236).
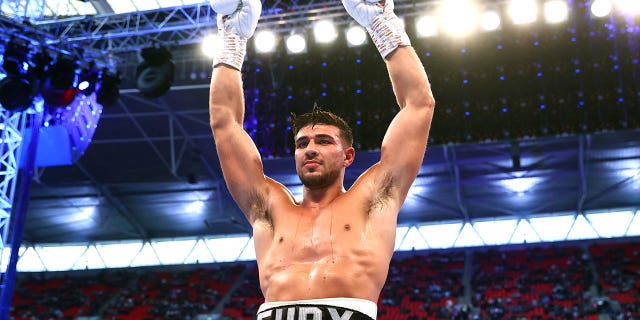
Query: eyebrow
point(317, 136)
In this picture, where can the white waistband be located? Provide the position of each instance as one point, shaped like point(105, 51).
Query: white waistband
point(367, 307)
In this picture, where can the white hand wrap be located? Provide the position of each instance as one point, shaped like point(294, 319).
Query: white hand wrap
point(387, 33)
point(232, 51)
point(384, 27)
point(237, 21)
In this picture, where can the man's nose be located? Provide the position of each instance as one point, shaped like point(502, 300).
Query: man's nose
point(311, 151)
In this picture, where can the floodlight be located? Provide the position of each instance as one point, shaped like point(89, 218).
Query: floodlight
point(523, 11)
point(87, 79)
point(296, 44)
point(265, 41)
point(356, 36)
point(601, 8)
point(458, 17)
point(556, 11)
point(154, 76)
point(211, 44)
point(629, 6)
point(426, 26)
point(490, 21)
point(324, 31)
point(16, 88)
point(57, 88)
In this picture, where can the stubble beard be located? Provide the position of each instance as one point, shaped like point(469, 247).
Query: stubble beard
point(318, 181)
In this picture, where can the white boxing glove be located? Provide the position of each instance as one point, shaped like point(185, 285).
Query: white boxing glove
point(384, 27)
point(237, 21)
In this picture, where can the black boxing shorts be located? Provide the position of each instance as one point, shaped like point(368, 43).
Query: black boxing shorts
point(319, 309)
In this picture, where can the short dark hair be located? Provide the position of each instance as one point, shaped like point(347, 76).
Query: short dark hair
point(319, 116)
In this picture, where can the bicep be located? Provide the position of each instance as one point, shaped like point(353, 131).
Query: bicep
point(242, 168)
point(404, 145)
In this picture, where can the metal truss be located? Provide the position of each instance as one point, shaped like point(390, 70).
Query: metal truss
point(188, 24)
point(11, 128)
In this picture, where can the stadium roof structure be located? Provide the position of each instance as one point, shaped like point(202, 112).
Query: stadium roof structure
point(151, 170)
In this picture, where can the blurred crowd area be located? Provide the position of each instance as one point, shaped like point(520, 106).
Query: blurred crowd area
point(583, 280)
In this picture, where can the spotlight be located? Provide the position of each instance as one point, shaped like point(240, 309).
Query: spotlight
point(556, 11)
point(265, 41)
point(16, 89)
point(426, 26)
point(154, 76)
point(211, 44)
point(57, 89)
point(356, 36)
point(324, 31)
point(109, 88)
point(601, 8)
point(523, 11)
point(87, 79)
point(296, 44)
point(490, 21)
point(458, 17)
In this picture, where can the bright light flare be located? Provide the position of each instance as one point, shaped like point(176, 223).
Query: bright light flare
point(211, 44)
point(324, 31)
point(458, 17)
point(601, 8)
point(426, 26)
point(556, 11)
point(356, 36)
point(523, 11)
point(265, 41)
point(296, 44)
point(490, 21)
point(629, 6)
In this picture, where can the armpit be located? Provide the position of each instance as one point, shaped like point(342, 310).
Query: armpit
point(383, 192)
point(258, 208)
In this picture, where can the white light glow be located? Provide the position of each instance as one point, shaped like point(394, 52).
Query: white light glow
point(413, 240)
point(553, 228)
point(601, 8)
point(611, 224)
point(458, 17)
point(296, 44)
point(194, 207)
point(523, 11)
point(556, 11)
point(265, 41)
point(490, 21)
point(426, 26)
point(441, 235)
point(211, 44)
point(324, 31)
point(520, 185)
point(356, 36)
point(629, 6)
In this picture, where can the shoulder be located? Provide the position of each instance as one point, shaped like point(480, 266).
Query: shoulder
point(266, 201)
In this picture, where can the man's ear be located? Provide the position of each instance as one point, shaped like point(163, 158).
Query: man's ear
point(349, 156)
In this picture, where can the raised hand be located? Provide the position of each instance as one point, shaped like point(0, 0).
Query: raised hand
point(237, 21)
point(383, 25)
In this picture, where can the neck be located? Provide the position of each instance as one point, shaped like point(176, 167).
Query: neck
point(322, 196)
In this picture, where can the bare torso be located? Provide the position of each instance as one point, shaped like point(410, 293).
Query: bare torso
point(340, 250)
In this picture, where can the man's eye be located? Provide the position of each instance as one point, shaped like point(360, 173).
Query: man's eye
point(324, 142)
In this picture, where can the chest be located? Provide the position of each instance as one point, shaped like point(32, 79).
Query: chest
point(314, 236)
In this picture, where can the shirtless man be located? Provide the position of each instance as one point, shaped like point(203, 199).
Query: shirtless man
point(326, 257)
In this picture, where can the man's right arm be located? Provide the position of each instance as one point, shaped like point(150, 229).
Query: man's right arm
point(239, 157)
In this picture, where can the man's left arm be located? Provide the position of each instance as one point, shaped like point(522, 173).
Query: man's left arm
point(405, 142)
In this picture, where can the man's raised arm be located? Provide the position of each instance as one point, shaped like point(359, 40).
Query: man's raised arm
point(405, 142)
point(239, 157)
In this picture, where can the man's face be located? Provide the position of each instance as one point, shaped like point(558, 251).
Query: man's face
point(320, 155)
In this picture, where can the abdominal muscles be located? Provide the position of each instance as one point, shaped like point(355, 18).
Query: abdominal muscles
point(298, 272)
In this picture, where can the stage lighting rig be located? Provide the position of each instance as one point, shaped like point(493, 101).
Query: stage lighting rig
point(58, 87)
point(154, 76)
point(17, 89)
point(109, 88)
